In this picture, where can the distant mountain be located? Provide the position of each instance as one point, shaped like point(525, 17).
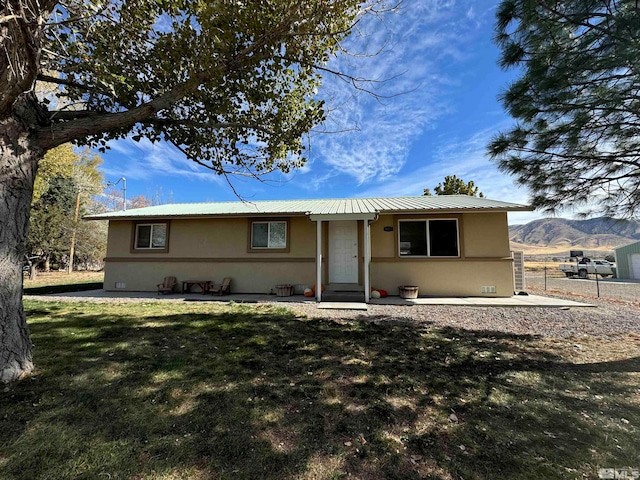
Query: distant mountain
point(594, 233)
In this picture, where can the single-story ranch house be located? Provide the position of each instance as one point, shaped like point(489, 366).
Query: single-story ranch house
point(446, 245)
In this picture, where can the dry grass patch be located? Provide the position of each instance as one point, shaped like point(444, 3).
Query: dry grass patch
point(155, 391)
point(553, 268)
point(62, 278)
point(58, 282)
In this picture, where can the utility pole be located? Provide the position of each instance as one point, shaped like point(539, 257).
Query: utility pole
point(73, 233)
point(124, 190)
point(77, 212)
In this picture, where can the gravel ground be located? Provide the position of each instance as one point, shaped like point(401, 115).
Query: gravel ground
point(576, 288)
point(603, 321)
point(617, 312)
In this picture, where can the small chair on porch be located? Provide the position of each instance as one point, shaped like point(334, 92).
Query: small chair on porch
point(167, 285)
point(221, 288)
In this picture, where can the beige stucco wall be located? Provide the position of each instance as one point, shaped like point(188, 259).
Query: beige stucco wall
point(485, 235)
point(383, 243)
point(247, 277)
point(482, 234)
point(212, 249)
point(484, 258)
point(210, 237)
point(445, 278)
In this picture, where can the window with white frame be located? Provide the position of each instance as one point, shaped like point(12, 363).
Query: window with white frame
point(267, 235)
point(150, 236)
point(428, 238)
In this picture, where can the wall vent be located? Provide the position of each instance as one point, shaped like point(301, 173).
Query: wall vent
point(121, 285)
point(489, 289)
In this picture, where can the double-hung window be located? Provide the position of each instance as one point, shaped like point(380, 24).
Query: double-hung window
point(151, 236)
point(429, 238)
point(269, 235)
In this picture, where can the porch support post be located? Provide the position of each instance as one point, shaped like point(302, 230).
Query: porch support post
point(367, 260)
point(319, 260)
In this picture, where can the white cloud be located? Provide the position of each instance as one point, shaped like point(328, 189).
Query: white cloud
point(420, 41)
point(467, 160)
point(464, 158)
point(145, 160)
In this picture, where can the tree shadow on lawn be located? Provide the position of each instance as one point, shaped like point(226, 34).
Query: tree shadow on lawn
point(250, 392)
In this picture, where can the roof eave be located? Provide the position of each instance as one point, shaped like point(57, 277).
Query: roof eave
point(314, 217)
point(460, 210)
point(325, 216)
point(192, 216)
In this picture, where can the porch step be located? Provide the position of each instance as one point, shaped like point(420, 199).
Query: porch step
point(342, 296)
point(344, 287)
point(342, 306)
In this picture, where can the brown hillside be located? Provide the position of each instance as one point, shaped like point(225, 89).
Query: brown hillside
point(556, 236)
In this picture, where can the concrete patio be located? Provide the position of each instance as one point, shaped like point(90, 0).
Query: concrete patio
point(514, 301)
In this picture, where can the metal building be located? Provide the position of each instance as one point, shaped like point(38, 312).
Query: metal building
point(628, 261)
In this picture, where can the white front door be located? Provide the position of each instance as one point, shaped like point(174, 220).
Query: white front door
point(635, 265)
point(343, 252)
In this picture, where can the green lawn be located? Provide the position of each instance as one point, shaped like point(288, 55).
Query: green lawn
point(200, 391)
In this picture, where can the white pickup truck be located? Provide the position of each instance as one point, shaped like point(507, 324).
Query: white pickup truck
point(586, 267)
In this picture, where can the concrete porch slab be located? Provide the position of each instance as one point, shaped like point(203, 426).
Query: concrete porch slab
point(342, 306)
point(514, 301)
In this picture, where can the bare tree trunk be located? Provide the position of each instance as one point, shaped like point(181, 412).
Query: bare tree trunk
point(19, 157)
point(47, 262)
point(73, 233)
point(33, 270)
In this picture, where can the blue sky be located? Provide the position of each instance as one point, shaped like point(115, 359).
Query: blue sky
point(441, 112)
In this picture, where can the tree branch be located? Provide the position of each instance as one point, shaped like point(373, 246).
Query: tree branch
point(570, 18)
point(59, 133)
point(218, 125)
point(8, 18)
point(63, 81)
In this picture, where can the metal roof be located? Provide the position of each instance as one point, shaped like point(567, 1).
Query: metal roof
point(337, 206)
